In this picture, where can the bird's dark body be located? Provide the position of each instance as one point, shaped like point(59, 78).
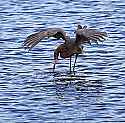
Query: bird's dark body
point(64, 51)
point(67, 50)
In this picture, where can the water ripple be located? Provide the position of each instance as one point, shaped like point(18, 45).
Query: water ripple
point(29, 90)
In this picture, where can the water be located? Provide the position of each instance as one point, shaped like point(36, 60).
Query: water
point(31, 93)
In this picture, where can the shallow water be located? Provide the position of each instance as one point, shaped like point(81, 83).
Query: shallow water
point(31, 93)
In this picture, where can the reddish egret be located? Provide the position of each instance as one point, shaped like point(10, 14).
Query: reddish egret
point(71, 46)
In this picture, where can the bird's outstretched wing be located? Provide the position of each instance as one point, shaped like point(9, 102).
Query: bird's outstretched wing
point(86, 35)
point(35, 38)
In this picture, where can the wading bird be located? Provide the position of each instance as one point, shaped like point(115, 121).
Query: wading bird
point(71, 46)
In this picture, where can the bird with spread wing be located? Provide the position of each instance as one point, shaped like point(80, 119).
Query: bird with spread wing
point(71, 46)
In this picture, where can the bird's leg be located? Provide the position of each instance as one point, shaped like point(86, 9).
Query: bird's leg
point(70, 63)
point(75, 62)
point(54, 66)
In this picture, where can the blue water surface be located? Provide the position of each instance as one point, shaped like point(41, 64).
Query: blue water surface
point(31, 93)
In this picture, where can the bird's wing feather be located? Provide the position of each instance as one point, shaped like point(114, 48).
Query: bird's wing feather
point(86, 35)
point(35, 38)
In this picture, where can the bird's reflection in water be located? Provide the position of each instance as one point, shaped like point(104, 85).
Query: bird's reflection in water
point(66, 86)
point(78, 86)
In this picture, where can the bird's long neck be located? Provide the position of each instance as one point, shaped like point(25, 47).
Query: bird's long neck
point(67, 39)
